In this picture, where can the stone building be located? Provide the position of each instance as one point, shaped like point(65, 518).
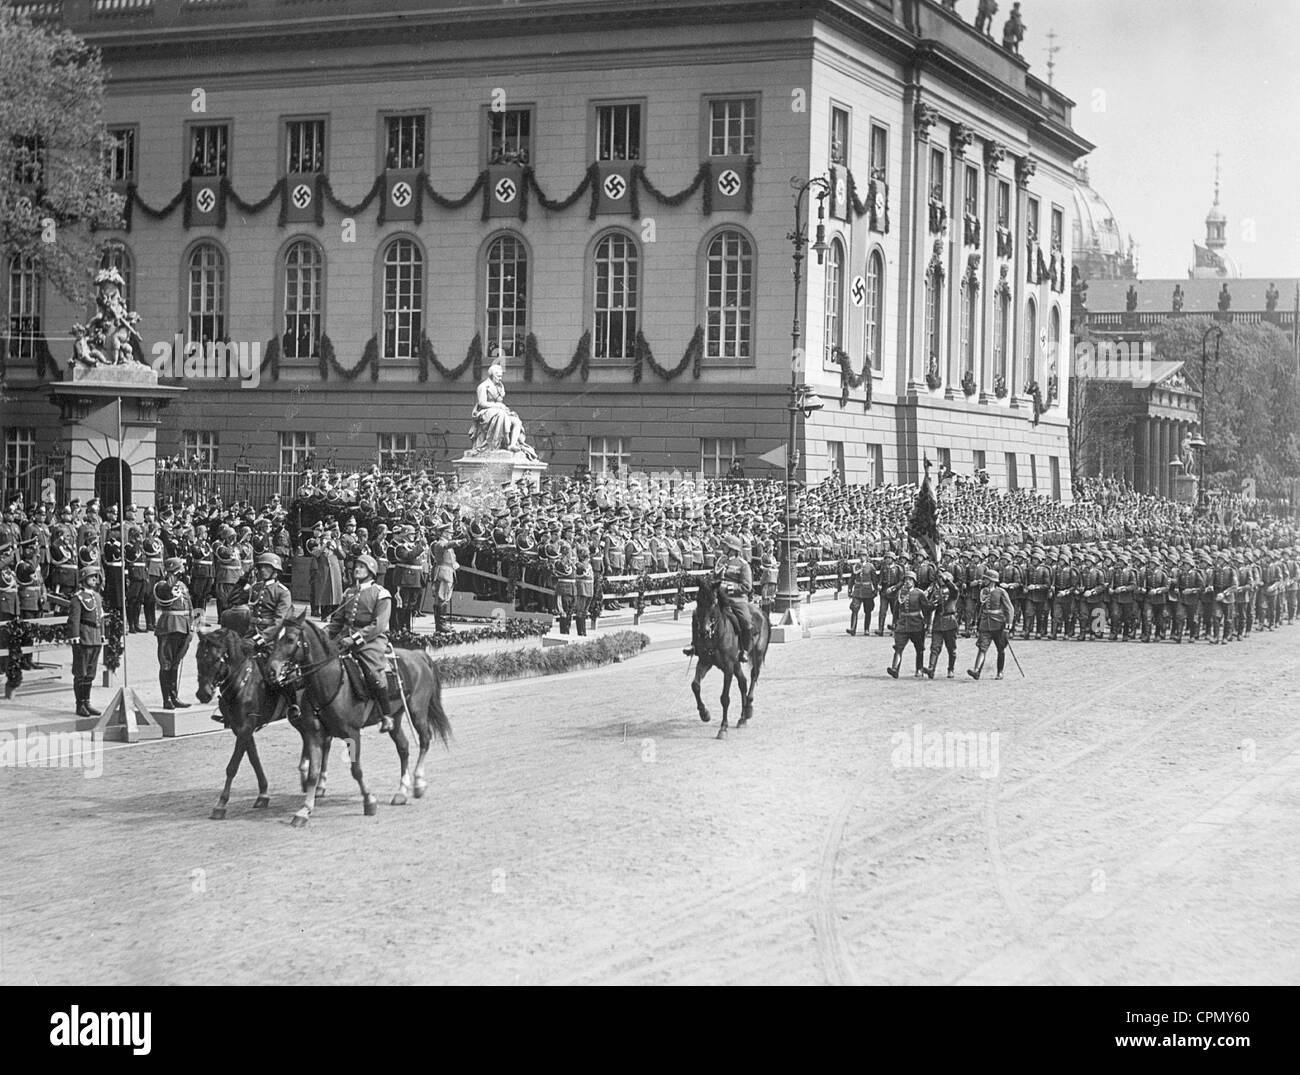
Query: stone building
point(365, 201)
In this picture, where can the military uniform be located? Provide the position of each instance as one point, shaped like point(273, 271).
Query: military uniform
point(86, 633)
point(1065, 588)
point(566, 590)
point(996, 616)
point(946, 618)
point(584, 579)
point(1038, 587)
point(173, 626)
point(909, 624)
point(891, 578)
point(862, 594)
point(364, 616)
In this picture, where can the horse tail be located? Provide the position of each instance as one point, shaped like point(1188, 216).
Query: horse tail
point(437, 715)
point(762, 637)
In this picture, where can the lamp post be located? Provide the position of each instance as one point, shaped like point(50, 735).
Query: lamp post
point(1201, 498)
point(802, 398)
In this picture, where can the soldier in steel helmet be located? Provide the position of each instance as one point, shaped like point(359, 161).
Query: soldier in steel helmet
point(360, 624)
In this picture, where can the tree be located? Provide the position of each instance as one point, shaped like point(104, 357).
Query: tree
point(1100, 416)
point(54, 187)
point(1252, 399)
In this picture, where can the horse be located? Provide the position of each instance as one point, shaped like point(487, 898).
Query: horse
point(716, 639)
point(301, 649)
point(227, 667)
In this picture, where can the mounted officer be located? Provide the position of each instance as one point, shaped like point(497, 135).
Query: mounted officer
point(360, 624)
point(737, 584)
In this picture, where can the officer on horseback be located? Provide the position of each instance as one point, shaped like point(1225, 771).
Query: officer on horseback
point(269, 600)
point(737, 584)
point(361, 624)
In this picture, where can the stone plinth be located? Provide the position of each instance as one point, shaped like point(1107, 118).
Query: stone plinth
point(499, 467)
point(1184, 489)
point(87, 399)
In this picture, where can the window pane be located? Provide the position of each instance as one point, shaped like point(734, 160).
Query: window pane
point(506, 324)
point(403, 299)
point(729, 297)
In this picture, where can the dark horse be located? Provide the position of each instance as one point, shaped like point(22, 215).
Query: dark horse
point(229, 668)
point(717, 644)
point(301, 649)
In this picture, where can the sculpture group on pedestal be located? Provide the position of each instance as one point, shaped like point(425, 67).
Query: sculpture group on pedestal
point(106, 341)
point(494, 425)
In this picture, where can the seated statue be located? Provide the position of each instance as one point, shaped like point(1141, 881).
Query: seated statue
point(494, 424)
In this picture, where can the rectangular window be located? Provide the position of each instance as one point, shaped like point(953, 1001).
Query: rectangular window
point(875, 463)
point(404, 142)
point(981, 463)
point(25, 292)
point(209, 149)
point(1004, 204)
point(608, 455)
point(304, 141)
point(20, 454)
point(199, 448)
point(937, 184)
point(718, 453)
point(396, 450)
point(1054, 464)
point(28, 159)
point(121, 155)
point(733, 127)
point(972, 199)
point(835, 459)
point(618, 132)
point(1058, 226)
point(1031, 214)
point(510, 136)
point(294, 451)
point(1013, 479)
point(879, 162)
point(839, 136)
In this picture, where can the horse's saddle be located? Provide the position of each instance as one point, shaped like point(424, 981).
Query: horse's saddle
point(356, 675)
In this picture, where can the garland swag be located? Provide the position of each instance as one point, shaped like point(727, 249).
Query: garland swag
point(850, 380)
point(643, 356)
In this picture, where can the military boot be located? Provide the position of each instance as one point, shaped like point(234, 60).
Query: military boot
point(852, 628)
point(176, 701)
point(892, 670)
point(974, 673)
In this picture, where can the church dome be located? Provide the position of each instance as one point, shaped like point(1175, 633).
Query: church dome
point(1216, 215)
point(1095, 228)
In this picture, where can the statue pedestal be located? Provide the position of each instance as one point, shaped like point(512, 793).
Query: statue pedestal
point(1185, 488)
point(499, 467)
point(98, 462)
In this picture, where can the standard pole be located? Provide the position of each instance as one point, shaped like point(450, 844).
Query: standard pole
point(787, 597)
point(121, 537)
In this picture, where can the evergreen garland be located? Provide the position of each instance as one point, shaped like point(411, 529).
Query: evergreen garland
point(541, 661)
point(473, 360)
point(580, 361)
point(249, 208)
point(588, 184)
point(703, 175)
point(376, 188)
point(369, 360)
point(133, 200)
point(643, 356)
point(114, 628)
point(849, 379)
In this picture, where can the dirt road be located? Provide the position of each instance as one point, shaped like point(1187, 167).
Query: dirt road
point(1127, 813)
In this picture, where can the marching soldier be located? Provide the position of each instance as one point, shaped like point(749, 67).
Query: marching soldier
point(1123, 602)
point(1012, 578)
point(995, 616)
point(1039, 590)
point(173, 626)
point(974, 584)
point(1155, 583)
point(1224, 588)
point(360, 623)
point(909, 623)
point(86, 633)
point(945, 623)
point(1065, 587)
point(1187, 612)
point(862, 595)
point(891, 579)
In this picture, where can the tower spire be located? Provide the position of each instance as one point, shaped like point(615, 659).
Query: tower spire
point(1217, 155)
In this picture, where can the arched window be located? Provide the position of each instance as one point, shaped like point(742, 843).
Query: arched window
point(1053, 343)
point(403, 299)
point(507, 296)
point(304, 269)
point(1001, 314)
point(115, 255)
point(616, 275)
point(874, 331)
point(207, 294)
point(933, 320)
point(1031, 343)
point(24, 307)
point(834, 303)
point(729, 329)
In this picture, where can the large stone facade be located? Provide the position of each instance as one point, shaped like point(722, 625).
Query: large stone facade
point(901, 78)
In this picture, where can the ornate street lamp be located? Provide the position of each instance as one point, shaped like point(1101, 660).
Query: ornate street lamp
point(802, 399)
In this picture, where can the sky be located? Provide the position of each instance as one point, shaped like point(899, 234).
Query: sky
point(1159, 85)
